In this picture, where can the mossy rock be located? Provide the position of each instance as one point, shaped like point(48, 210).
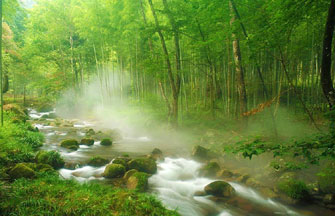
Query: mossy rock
point(220, 189)
point(114, 171)
point(52, 158)
point(202, 153)
point(122, 160)
point(146, 165)
point(129, 173)
point(87, 141)
point(138, 181)
point(210, 169)
point(17, 110)
point(98, 161)
point(21, 171)
point(70, 144)
point(326, 179)
point(90, 132)
point(44, 168)
point(106, 142)
point(294, 189)
point(45, 116)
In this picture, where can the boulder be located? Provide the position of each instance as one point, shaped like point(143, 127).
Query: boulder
point(122, 160)
point(146, 165)
point(210, 169)
point(220, 189)
point(98, 161)
point(44, 168)
point(201, 153)
point(156, 154)
point(70, 144)
point(106, 142)
point(294, 189)
point(21, 171)
point(129, 173)
point(114, 171)
point(87, 141)
point(225, 174)
point(138, 181)
point(90, 132)
point(52, 158)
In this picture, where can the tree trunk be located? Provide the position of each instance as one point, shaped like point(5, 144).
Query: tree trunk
point(1, 97)
point(326, 80)
point(239, 68)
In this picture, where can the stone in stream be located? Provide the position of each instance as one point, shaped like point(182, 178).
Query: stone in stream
point(53, 158)
point(90, 132)
point(114, 171)
point(156, 154)
point(224, 174)
point(138, 181)
point(146, 165)
point(98, 161)
point(219, 189)
point(210, 169)
point(129, 173)
point(70, 144)
point(21, 170)
point(87, 141)
point(123, 161)
point(106, 142)
point(202, 153)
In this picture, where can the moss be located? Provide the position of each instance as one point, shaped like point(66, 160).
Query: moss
point(70, 144)
point(129, 173)
point(138, 181)
point(106, 142)
point(220, 189)
point(90, 132)
point(210, 169)
point(53, 158)
point(146, 165)
point(123, 161)
point(98, 161)
point(326, 179)
point(294, 189)
point(21, 171)
point(114, 171)
point(87, 141)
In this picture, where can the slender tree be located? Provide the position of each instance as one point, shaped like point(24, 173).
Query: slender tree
point(1, 90)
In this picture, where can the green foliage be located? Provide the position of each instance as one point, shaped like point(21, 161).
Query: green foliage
point(49, 195)
point(53, 158)
point(295, 189)
point(106, 142)
point(326, 178)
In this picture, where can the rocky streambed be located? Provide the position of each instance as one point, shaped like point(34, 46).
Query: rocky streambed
point(191, 185)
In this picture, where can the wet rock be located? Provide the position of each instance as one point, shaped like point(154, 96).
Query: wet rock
point(329, 199)
point(21, 171)
point(98, 161)
point(114, 171)
point(138, 181)
point(210, 169)
point(223, 173)
point(156, 154)
point(129, 173)
point(252, 182)
point(268, 193)
point(90, 132)
point(200, 193)
point(122, 160)
point(220, 189)
point(87, 141)
point(202, 153)
point(70, 144)
point(71, 165)
point(146, 165)
point(243, 178)
point(106, 142)
point(52, 158)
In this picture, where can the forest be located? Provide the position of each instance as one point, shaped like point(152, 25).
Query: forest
point(167, 107)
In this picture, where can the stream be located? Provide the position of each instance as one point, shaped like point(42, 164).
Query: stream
point(176, 182)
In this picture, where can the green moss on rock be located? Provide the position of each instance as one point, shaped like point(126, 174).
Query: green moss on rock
point(114, 171)
point(123, 161)
point(138, 181)
point(21, 171)
point(70, 144)
point(87, 141)
point(210, 169)
point(294, 189)
point(52, 158)
point(220, 189)
point(146, 165)
point(106, 142)
point(98, 161)
point(129, 173)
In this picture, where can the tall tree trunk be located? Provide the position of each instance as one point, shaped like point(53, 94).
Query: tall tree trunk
point(239, 68)
point(326, 80)
point(1, 97)
point(173, 86)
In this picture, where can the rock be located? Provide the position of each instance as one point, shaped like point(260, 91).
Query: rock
point(224, 174)
point(210, 169)
point(329, 199)
point(243, 178)
point(268, 193)
point(252, 182)
point(146, 165)
point(21, 171)
point(157, 151)
point(87, 141)
point(106, 142)
point(98, 161)
point(52, 116)
point(71, 165)
point(70, 144)
point(44, 168)
point(156, 154)
point(122, 160)
point(201, 153)
point(200, 193)
point(52, 158)
point(138, 181)
point(90, 132)
point(294, 189)
point(114, 171)
point(129, 173)
point(220, 189)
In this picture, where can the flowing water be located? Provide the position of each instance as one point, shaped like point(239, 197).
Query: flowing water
point(177, 181)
